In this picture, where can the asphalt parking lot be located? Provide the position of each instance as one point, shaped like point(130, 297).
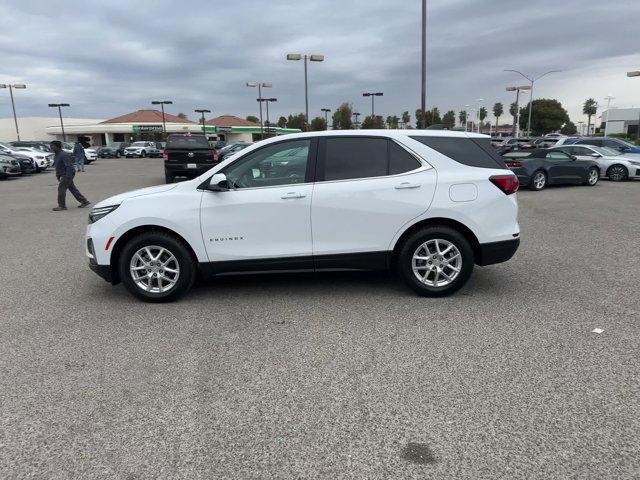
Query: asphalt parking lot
point(322, 376)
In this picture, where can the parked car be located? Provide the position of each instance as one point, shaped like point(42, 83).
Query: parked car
point(430, 204)
point(113, 150)
point(9, 166)
point(541, 167)
point(512, 143)
point(157, 149)
point(40, 145)
point(27, 165)
point(91, 154)
point(232, 149)
point(618, 144)
point(42, 159)
point(139, 149)
point(613, 164)
point(188, 156)
point(220, 144)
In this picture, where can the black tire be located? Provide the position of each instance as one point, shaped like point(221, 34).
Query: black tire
point(186, 263)
point(590, 182)
point(414, 243)
point(540, 186)
point(617, 173)
point(168, 177)
point(143, 154)
point(118, 154)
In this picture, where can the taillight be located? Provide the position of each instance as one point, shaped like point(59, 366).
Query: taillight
point(165, 154)
point(507, 183)
point(214, 154)
point(513, 164)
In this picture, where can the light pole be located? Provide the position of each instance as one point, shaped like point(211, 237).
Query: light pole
point(581, 127)
point(532, 80)
point(13, 105)
point(423, 95)
point(260, 86)
point(373, 95)
point(608, 98)
point(59, 107)
point(480, 100)
point(326, 117)
point(636, 73)
point(515, 132)
point(203, 111)
point(267, 100)
point(162, 103)
point(466, 118)
point(356, 114)
point(313, 58)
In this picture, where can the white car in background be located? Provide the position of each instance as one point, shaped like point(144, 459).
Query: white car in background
point(615, 166)
point(140, 149)
point(91, 154)
point(42, 160)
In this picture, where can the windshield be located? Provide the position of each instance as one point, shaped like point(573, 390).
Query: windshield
point(138, 144)
point(605, 151)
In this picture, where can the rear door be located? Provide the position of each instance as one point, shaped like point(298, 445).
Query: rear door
point(366, 189)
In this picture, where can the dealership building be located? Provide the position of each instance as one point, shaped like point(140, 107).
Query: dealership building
point(621, 120)
point(134, 126)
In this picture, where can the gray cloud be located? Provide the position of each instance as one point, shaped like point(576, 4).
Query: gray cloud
point(109, 58)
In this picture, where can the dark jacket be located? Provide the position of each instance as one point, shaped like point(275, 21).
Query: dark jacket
point(64, 165)
point(78, 152)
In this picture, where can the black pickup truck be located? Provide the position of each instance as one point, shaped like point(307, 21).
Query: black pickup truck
point(188, 156)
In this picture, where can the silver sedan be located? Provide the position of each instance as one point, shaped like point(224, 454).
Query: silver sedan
point(613, 165)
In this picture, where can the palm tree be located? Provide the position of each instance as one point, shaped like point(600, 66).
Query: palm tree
point(498, 110)
point(463, 117)
point(589, 108)
point(406, 118)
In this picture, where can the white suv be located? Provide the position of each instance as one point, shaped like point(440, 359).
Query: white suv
point(139, 149)
point(429, 204)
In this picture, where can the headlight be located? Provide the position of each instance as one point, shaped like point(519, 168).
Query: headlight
point(99, 212)
point(634, 163)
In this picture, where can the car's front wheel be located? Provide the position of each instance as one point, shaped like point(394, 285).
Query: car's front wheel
point(143, 154)
point(157, 267)
point(436, 261)
point(617, 173)
point(118, 154)
point(593, 175)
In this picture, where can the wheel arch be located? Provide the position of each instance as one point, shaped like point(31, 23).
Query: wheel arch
point(616, 165)
point(436, 221)
point(129, 234)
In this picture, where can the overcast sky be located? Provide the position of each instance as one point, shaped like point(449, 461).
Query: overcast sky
point(107, 58)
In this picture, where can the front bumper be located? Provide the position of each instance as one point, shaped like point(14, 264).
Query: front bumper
point(103, 271)
point(497, 252)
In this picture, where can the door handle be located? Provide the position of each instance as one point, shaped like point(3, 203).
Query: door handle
point(404, 185)
point(292, 195)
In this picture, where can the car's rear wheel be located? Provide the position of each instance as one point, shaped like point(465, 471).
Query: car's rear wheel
point(538, 180)
point(593, 175)
point(435, 261)
point(157, 267)
point(118, 154)
point(168, 177)
point(617, 173)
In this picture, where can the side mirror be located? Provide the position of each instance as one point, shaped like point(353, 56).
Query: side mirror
point(573, 157)
point(595, 155)
point(218, 183)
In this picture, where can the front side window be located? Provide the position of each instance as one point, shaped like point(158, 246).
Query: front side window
point(558, 156)
point(279, 164)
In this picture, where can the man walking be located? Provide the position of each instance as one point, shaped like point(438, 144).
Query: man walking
point(78, 153)
point(65, 171)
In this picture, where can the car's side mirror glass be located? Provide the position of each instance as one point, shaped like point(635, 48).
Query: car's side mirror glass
point(595, 155)
point(218, 183)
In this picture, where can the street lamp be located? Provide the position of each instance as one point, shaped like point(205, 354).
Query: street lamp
point(267, 100)
point(203, 111)
point(608, 98)
point(423, 93)
point(313, 58)
point(636, 73)
point(356, 114)
point(162, 103)
point(19, 86)
point(466, 118)
point(373, 95)
point(480, 100)
point(516, 119)
point(59, 107)
point(326, 117)
point(532, 80)
point(259, 87)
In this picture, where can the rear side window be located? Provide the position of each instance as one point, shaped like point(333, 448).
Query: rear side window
point(474, 152)
point(187, 141)
point(365, 157)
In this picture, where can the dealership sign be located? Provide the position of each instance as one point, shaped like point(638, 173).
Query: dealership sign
point(147, 129)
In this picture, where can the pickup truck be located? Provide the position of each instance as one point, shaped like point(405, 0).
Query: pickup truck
point(188, 156)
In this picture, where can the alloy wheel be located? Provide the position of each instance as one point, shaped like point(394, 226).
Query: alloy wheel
point(437, 262)
point(617, 173)
point(539, 181)
point(593, 176)
point(154, 269)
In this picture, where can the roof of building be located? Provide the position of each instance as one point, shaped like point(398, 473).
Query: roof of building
point(230, 121)
point(148, 116)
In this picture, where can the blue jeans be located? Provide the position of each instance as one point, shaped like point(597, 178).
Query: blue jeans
point(80, 164)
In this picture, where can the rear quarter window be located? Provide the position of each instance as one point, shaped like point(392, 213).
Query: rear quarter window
point(474, 152)
point(187, 141)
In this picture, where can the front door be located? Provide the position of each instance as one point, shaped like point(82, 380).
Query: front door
point(562, 167)
point(265, 217)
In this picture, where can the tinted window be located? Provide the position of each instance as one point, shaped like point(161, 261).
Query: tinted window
point(596, 142)
point(474, 152)
point(280, 164)
point(400, 160)
point(580, 151)
point(187, 141)
point(613, 144)
point(355, 158)
point(558, 156)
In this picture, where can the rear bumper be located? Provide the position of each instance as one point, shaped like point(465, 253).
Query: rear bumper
point(497, 252)
point(181, 169)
